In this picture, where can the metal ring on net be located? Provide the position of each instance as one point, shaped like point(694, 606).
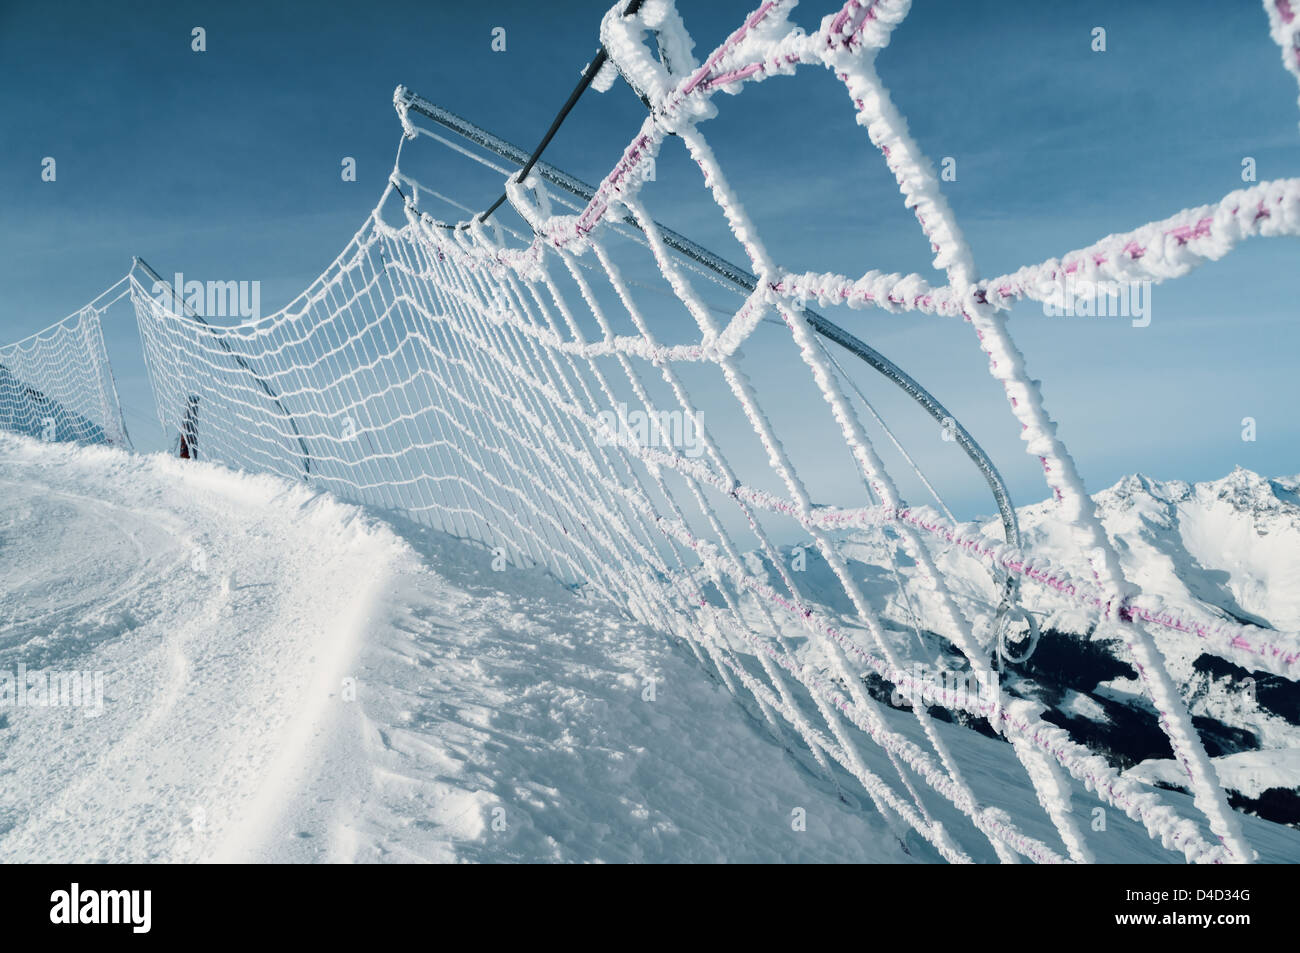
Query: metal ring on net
point(1007, 612)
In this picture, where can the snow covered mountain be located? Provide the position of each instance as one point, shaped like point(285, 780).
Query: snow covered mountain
point(1232, 544)
point(1230, 547)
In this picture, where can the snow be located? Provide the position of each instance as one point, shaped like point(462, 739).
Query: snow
point(306, 681)
point(1250, 772)
point(223, 612)
point(234, 616)
point(224, 732)
point(1247, 528)
point(1083, 706)
point(1227, 549)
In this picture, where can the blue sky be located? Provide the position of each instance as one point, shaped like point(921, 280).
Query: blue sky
point(225, 165)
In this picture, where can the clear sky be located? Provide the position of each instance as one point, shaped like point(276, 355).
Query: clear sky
point(225, 165)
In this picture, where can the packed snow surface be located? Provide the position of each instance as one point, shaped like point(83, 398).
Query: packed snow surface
point(289, 678)
point(233, 616)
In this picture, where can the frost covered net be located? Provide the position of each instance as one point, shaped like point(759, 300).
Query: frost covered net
point(571, 393)
point(57, 383)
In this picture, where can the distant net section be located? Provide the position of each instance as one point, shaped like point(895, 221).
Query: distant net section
point(57, 384)
point(582, 391)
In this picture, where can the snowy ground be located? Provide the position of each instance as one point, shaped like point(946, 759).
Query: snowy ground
point(289, 678)
point(226, 613)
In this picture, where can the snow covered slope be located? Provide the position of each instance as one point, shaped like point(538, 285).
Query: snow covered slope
point(285, 677)
point(233, 617)
point(222, 612)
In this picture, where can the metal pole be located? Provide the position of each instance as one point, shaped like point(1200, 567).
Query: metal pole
point(266, 388)
point(742, 278)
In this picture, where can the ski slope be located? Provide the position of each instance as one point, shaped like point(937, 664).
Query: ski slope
point(289, 678)
point(227, 610)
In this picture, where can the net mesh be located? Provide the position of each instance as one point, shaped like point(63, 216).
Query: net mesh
point(510, 389)
point(571, 394)
point(58, 385)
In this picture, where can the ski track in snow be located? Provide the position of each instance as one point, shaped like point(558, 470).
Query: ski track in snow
point(216, 631)
point(485, 727)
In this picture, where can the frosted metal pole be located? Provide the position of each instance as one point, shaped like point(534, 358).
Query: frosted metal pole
point(742, 278)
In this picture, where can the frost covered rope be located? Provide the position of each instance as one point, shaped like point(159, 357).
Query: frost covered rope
point(916, 179)
point(57, 384)
point(1284, 25)
point(1155, 252)
point(496, 383)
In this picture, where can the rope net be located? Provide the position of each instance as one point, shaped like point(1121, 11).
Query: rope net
point(570, 393)
point(57, 384)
